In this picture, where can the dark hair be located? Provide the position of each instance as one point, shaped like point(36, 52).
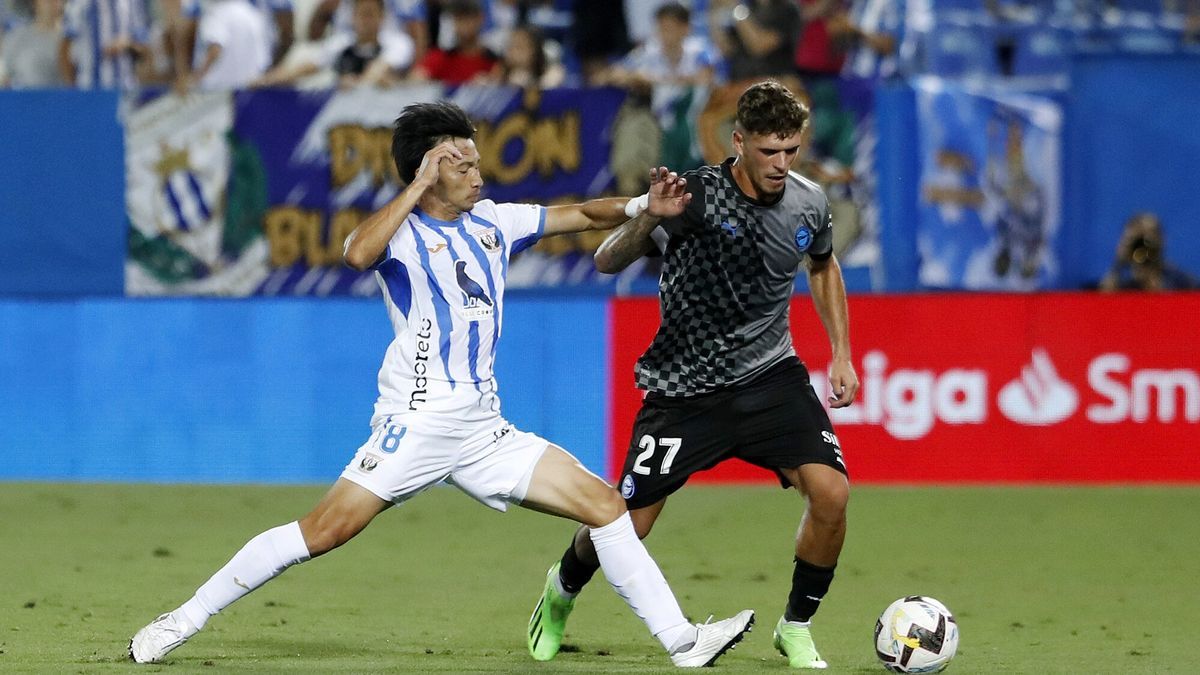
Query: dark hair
point(462, 7)
point(539, 52)
point(421, 126)
point(769, 108)
point(674, 10)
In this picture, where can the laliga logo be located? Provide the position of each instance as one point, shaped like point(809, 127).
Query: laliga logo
point(1039, 396)
point(909, 402)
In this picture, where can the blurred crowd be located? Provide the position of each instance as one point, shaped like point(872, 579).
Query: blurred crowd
point(656, 48)
point(230, 44)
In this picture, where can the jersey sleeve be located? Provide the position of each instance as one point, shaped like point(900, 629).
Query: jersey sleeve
point(822, 246)
point(521, 224)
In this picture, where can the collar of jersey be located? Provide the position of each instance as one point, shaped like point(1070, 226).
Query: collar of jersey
point(727, 170)
point(437, 222)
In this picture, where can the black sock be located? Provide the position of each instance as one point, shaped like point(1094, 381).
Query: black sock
point(573, 572)
point(809, 584)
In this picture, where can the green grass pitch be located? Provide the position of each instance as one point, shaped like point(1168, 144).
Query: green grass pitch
point(1043, 580)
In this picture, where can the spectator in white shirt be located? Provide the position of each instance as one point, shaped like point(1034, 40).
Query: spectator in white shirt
point(399, 16)
point(668, 65)
point(280, 19)
point(29, 54)
point(234, 46)
point(369, 55)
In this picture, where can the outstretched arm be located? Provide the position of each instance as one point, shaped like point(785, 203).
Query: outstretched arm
point(605, 214)
point(368, 242)
point(829, 296)
point(668, 197)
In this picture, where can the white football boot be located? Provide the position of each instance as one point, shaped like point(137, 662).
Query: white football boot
point(714, 639)
point(156, 640)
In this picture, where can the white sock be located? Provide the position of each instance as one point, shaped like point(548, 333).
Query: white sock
point(262, 558)
point(635, 577)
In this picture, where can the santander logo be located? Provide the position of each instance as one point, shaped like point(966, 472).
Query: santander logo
point(909, 402)
point(1039, 396)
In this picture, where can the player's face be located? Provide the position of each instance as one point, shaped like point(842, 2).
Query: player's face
point(765, 160)
point(459, 180)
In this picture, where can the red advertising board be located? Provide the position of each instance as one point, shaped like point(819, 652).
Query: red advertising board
point(989, 388)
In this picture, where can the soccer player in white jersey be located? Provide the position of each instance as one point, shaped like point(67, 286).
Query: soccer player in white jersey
point(441, 255)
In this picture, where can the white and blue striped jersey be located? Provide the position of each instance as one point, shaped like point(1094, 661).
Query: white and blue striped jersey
point(92, 24)
point(443, 283)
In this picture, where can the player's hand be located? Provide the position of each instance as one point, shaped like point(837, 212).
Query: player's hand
point(428, 172)
point(668, 193)
point(843, 383)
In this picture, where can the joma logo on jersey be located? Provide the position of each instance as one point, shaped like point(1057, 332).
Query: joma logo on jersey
point(488, 239)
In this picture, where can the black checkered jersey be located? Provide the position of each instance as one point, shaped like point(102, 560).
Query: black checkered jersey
point(729, 269)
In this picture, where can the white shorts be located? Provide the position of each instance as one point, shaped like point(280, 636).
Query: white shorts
point(493, 464)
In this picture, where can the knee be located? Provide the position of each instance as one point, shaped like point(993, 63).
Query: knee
point(324, 532)
point(828, 504)
point(605, 507)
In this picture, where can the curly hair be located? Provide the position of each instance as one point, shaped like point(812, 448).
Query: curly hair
point(421, 126)
point(769, 108)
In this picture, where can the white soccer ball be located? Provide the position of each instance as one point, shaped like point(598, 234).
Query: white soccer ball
point(916, 635)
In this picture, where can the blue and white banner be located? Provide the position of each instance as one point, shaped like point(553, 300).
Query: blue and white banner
point(991, 187)
point(254, 193)
point(178, 160)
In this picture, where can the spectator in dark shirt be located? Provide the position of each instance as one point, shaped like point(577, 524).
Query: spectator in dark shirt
point(599, 35)
point(757, 37)
point(1139, 264)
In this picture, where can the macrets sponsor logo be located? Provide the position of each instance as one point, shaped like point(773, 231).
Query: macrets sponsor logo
point(420, 390)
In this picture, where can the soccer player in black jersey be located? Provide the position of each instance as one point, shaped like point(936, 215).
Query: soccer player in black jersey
point(721, 377)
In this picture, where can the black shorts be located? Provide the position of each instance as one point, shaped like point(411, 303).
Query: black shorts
point(775, 421)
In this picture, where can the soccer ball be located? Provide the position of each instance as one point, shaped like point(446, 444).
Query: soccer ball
point(916, 635)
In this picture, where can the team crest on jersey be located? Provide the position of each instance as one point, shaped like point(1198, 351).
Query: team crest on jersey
point(627, 487)
point(488, 239)
point(476, 303)
point(804, 238)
